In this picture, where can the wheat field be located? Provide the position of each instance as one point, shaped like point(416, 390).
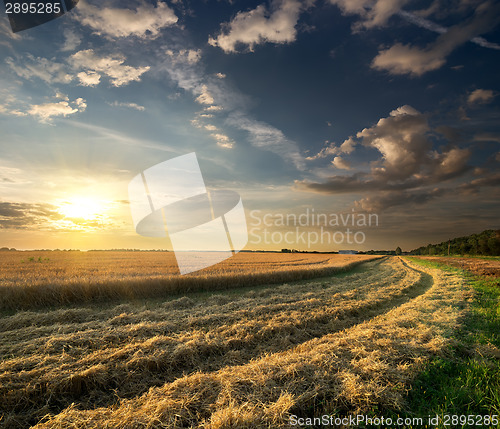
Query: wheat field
point(245, 357)
point(38, 279)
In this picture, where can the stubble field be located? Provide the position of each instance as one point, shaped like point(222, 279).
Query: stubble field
point(348, 341)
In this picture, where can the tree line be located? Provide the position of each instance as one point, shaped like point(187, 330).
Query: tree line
point(486, 243)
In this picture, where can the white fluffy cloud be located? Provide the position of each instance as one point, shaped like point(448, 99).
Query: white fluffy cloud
point(260, 25)
point(89, 78)
point(111, 66)
point(47, 111)
point(145, 21)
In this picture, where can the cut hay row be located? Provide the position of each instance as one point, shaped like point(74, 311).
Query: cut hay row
point(369, 364)
point(90, 357)
point(55, 282)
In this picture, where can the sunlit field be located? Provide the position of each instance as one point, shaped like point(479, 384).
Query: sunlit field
point(38, 279)
point(249, 356)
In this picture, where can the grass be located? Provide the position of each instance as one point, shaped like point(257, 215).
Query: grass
point(467, 381)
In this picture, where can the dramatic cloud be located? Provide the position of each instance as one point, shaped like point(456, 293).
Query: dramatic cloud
point(401, 139)
point(259, 26)
point(481, 96)
point(408, 165)
point(406, 59)
point(111, 66)
point(145, 21)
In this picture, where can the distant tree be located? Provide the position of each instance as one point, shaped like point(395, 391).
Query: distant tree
point(485, 243)
point(398, 250)
point(482, 246)
point(472, 242)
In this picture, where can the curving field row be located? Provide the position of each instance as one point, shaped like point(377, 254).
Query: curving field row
point(248, 358)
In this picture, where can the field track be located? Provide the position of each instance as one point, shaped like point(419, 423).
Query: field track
point(245, 358)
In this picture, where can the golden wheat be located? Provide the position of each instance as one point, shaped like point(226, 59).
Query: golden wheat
point(30, 280)
point(246, 358)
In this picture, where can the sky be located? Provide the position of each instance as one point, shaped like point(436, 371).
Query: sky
point(342, 124)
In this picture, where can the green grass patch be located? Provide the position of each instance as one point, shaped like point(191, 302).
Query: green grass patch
point(467, 382)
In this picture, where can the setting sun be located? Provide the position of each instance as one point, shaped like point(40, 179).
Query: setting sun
point(82, 208)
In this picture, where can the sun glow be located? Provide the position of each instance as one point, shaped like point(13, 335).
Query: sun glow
point(82, 208)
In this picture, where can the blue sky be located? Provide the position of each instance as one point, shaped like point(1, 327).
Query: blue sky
point(388, 107)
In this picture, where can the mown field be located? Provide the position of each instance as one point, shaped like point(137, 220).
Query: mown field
point(353, 339)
